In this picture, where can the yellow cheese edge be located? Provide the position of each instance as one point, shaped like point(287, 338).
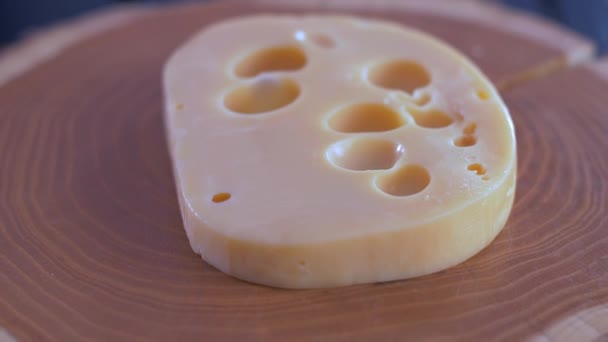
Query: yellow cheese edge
point(391, 256)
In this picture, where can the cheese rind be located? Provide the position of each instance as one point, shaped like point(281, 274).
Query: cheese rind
point(338, 170)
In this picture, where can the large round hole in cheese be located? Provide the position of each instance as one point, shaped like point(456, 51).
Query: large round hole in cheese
point(274, 181)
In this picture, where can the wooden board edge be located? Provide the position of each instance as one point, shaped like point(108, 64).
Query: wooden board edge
point(584, 326)
point(42, 45)
point(599, 67)
point(5, 336)
point(576, 48)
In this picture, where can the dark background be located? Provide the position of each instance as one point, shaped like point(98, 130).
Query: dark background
point(589, 17)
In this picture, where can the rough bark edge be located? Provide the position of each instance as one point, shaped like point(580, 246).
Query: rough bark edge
point(42, 45)
point(5, 336)
point(600, 68)
point(584, 326)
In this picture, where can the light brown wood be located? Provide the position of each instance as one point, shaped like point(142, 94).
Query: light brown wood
point(562, 131)
point(92, 245)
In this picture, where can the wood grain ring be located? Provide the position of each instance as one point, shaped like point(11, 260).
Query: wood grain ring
point(92, 244)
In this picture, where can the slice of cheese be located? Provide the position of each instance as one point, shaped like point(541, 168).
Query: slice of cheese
point(322, 151)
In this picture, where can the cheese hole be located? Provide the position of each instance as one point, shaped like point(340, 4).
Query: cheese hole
point(406, 181)
point(264, 95)
point(477, 168)
point(322, 40)
point(465, 140)
point(483, 95)
point(279, 58)
point(365, 154)
point(470, 128)
point(431, 119)
point(221, 197)
point(401, 75)
point(365, 117)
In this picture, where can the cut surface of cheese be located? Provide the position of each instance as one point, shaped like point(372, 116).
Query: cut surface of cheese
point(321, 151)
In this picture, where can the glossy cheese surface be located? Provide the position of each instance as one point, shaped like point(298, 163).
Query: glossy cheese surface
point(319, 151)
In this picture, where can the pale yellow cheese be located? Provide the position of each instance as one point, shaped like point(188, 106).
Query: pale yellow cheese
point(323, 151)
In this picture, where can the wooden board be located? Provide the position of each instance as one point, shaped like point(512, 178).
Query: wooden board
point(92, 245)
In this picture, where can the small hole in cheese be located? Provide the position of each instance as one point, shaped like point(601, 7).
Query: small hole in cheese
point(365, 154)
point(365, 117)
point(401, 75)
point(221, 197)
point(264, 95)
point(477, 168)
point(483, 95)
point(465, 141)
point(470, 128)
point(406, 181)
point(431, 119)
point(279, 58)
point(322, 40)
